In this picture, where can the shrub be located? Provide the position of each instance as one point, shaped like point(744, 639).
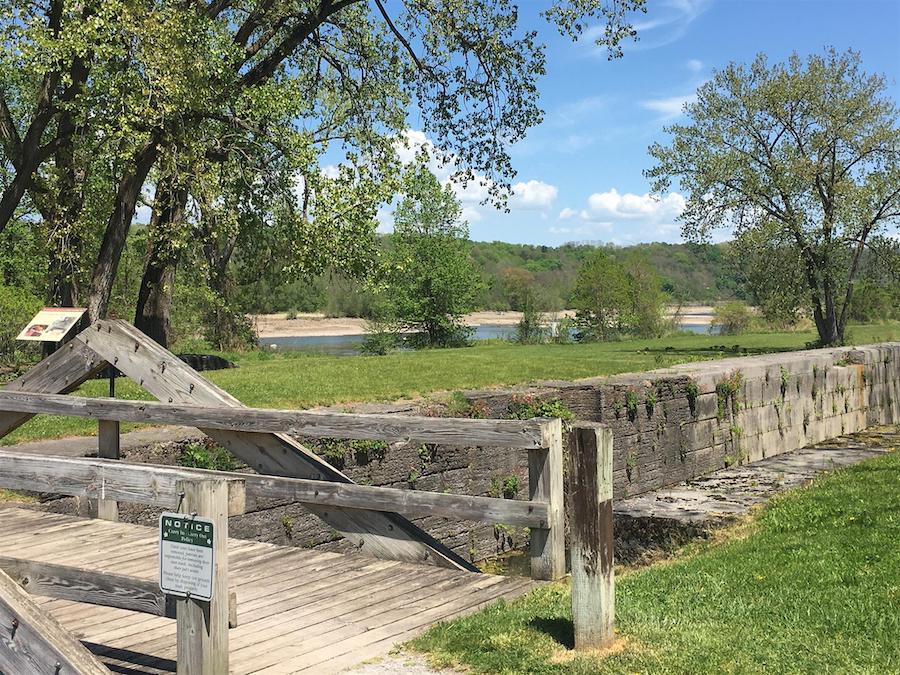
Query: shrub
point(203, 456)
point(732, 318)
point(527, 406)
point(380, 339)
point(16, 308)
point(530, 329)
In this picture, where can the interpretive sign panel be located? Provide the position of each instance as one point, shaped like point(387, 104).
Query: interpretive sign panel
point(51, 324)
point(186, 564)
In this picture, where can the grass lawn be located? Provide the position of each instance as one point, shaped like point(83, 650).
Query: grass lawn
point(284, 380)
point(810, 585)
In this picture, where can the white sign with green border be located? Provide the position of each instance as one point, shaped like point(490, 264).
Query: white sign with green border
point(186, 561)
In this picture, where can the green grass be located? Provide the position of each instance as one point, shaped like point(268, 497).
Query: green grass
point(810, 585)
point(284, 380)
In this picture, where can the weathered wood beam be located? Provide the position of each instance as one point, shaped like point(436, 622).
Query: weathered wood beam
point(83, 585)
point(157, 485)
point(105, 479)
point(61, 372)
point(506, 433)
point(591, 535)
point(108, 448)
point(64, 582)
point(545, 484)
point(32, 641)
point(168, 378)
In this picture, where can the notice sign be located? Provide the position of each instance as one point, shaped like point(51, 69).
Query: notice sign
point(186, 564)
point(51, 324)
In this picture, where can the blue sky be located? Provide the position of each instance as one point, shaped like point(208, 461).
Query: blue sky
point(580, 172)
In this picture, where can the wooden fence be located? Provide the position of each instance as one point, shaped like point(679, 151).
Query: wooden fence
point(290, 472)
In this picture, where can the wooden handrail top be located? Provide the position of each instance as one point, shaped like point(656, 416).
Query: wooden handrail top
point(156, 485)
point(525, 434)
point(107, 589)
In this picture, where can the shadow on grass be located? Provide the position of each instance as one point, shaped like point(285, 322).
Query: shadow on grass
point(560, 630)
point(735, 350)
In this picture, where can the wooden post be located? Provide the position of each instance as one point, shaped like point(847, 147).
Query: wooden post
point(545, 480)
point(108, 448)
point(203, 626)
point(591, 535)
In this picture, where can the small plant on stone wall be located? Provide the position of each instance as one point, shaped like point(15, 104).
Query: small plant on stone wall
point(506, 487)
point(785, 380)
point(336, 450)
point(631, 404)
point(630, 465)
point(728, 394)
point(207, 456)
point(288, 524)
point(413, 477)
point(460, 406)
point(693, 393)
point(617, 407)
point(650, 402)
point(527, 406)
point(365, 451)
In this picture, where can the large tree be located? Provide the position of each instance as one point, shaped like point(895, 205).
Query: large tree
point(810, 148)
point(101, 99)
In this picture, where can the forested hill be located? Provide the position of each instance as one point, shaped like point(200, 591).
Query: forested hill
point(690, 272)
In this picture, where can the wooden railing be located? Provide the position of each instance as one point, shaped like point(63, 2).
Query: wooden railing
point(110, 480)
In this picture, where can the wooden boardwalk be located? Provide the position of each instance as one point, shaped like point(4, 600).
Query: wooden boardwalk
point(298, 610)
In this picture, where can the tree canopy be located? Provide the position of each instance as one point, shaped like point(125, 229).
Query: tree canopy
point(222, 110)
point(809, 149)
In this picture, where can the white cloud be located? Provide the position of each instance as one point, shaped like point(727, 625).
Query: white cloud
point(694, 65)
point(624, 217)
point(669, 108)
point(534, 194)
point(471, 215)
point(630, 205)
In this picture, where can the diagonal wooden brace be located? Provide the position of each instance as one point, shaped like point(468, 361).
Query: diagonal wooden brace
point(379, 534)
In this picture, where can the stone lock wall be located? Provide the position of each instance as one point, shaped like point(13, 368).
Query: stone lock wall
point(669, 425)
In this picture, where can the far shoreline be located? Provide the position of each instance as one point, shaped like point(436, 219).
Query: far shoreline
point(319, 325)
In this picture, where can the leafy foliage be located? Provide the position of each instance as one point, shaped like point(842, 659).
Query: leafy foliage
point(16, 309)
point(732, 318)
point(207, 456)
point(810, 149)
point(430, 281)
point(612, 298)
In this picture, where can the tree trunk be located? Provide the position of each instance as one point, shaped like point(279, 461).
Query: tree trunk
point(117, 230)
point(154, 303)
point(152, 314)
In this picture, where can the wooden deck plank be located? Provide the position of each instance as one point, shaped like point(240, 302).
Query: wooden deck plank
point(344, 638)
point(299, 610)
